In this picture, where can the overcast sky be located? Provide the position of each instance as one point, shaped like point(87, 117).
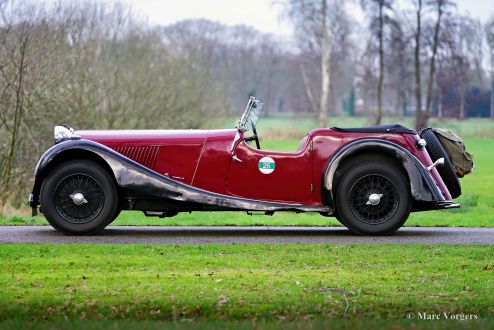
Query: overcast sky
point(261, 14)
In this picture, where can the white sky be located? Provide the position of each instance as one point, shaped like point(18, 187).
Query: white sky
point(261, 14)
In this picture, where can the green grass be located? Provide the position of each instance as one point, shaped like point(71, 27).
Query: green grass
point(477, 199)
point(297, 125)
point(243, 282)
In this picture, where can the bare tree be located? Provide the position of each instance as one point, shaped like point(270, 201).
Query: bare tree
point(466, 55)
point(473, 38)
point(489, 34)
point(399, 64)
point(423, 118)
point(92, 66)
point(311, 19)
point(377, 11)
point(439, 7)
point(343, 57)
point(16, 56)
point(325, 65)
point(417, 63)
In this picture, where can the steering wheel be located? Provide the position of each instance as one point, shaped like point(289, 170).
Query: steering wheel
point(253, 137)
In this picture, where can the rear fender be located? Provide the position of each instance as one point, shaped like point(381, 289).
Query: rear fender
point(422, 186)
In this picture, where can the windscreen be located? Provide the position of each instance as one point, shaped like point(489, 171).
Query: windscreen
point(251, 115)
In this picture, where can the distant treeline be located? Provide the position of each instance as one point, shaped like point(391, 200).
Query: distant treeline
point(94, 65)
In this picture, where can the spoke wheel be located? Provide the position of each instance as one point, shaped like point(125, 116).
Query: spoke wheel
point(373, 195)
point(67, 204)
point(79, 197)
point(374, 199)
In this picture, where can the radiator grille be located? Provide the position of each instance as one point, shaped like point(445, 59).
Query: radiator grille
point(145, 156)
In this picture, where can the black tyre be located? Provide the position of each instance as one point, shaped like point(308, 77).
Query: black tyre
point(436, 151)
point(115, 215)
point(79, 197)
point(373, 197)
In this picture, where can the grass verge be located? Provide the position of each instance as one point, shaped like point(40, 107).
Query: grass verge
point(243, 282)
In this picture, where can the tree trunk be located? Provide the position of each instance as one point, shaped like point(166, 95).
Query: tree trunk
point(403, 90)
point(432, 67)
point(492, 97)
point(440, 103)
point(333, 99)
point(325, 67)
point(461, 115)
point(308, 91)
point(418, 85)
point(18, 114)
point(381, 65)
point(492, 84)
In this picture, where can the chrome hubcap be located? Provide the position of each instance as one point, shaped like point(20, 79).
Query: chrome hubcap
point(374, 199)
point(78, 198)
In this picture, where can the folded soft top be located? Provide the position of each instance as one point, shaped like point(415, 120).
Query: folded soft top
point(390, 128)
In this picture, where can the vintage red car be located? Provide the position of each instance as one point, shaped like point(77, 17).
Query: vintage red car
point(369, 178)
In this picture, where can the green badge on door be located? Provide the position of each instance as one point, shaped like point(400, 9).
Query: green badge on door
point(266, 165)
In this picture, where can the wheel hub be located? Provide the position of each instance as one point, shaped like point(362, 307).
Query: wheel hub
point(78, 198)
point(374, 199)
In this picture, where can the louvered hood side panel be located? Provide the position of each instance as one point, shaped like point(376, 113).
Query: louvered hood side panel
point(144, 155)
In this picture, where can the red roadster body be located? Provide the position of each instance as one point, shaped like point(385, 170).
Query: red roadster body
point(369, 178)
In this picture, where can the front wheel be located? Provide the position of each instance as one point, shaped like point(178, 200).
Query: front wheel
point(373, 198)
point(79, 197)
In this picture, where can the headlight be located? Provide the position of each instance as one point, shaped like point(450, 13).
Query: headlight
point(62, 133)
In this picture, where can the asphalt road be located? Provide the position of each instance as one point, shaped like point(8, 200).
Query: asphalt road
point(262, 235)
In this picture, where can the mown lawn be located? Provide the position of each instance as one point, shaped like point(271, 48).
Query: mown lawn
point(477, 203)
point(227, 283)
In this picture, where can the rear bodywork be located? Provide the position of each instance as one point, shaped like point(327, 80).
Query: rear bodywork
point(174, 171)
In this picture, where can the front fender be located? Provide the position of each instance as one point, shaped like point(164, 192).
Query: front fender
point(133, 176)
point(422, 186)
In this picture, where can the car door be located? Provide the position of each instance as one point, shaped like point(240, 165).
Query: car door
point(268, 175)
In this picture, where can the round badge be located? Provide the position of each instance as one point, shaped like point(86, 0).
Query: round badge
point(266, 165)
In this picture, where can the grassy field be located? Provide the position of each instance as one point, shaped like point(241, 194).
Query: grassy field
point(226, 283)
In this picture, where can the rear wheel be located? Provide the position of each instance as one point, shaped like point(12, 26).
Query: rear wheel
point(373, 198)
point(79, 197)
point(115, 216)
